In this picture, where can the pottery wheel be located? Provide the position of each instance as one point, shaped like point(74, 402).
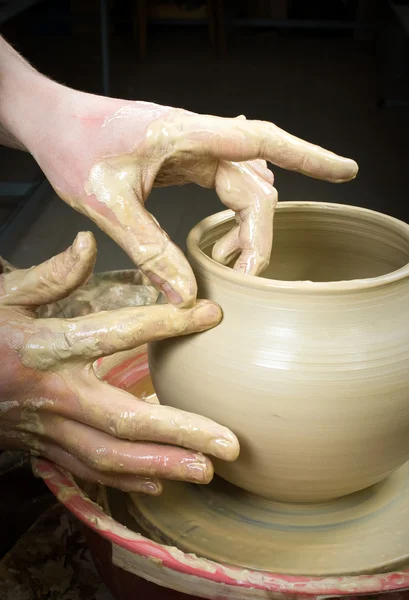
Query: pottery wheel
point(362, 533)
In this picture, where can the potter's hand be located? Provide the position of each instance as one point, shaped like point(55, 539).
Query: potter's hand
point(103, 156)
point(53, 404)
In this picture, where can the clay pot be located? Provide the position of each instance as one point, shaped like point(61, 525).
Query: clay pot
point(310, 365)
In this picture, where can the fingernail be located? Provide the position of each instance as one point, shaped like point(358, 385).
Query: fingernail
point(151, 487)
point(164, 287)
point(172, 296)
point(81, 242)
point(208, 314)
point(355, 168)
point(75, 248)
point(350, 172)
point(197, 472)
point(227, 448)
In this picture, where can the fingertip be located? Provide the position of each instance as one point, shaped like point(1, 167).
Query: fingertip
point(85, 239)
point(354, 169)
point(208, 473)
point(225, 447)
point(269, 175)
point(82, 256)
point(219, 253)
point(172, 295)
point(183, 295)
point(84, 243)
point(153, 487)
point(348, 172)
point(207, 314)
point(226, 250)
point(185, 303)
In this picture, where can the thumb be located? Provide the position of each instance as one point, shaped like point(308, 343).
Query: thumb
point(54, 279)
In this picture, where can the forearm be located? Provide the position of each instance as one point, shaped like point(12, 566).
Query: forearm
point(26, 100)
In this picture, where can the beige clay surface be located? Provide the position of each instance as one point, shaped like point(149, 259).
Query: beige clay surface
point(310, 365)
point(366, 532)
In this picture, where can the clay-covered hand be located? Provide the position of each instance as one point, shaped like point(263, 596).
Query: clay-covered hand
point(103, 156)
point(54, 405)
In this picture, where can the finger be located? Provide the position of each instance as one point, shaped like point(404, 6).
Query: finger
point(260, 167)
point(162, 261)
point(54, 279)
point(254, 200)
point(106, 454)
point(243, 140)
point(138, 233)
point(105, 333)
point(120, 481)
point(227, 247)
point(118, 413)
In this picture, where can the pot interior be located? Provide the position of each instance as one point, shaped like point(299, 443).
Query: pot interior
point(322, 244)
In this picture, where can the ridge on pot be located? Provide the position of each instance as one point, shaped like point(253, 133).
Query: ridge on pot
point(310, 365)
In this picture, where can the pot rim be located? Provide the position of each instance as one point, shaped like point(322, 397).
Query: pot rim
point(251, 281)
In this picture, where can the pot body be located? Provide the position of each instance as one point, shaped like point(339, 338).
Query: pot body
point(313, 377)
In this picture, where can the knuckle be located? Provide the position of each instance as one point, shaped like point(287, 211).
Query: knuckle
point(153, 249)
point(99, 461)
point(52, 346)
point(125, 424)
point(63, 343)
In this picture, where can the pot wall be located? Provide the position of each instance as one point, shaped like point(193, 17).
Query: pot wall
point(314, 379)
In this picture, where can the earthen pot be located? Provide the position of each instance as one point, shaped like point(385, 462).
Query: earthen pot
point(310, 365)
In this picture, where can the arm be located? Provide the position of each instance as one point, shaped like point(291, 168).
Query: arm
point(103, 156)
point(25, 98)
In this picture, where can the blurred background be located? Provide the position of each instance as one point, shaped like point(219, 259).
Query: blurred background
point(331, 71)
point(334, 72)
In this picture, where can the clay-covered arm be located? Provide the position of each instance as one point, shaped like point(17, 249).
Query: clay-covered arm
point(103, 156)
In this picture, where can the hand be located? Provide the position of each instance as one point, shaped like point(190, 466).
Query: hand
point(52, 403)
point(103, 156)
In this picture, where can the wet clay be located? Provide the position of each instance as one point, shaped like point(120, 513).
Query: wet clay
point(189, 574)
point(310, 365)
point(365, 532)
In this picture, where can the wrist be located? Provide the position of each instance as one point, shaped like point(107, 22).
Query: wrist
point(27, 100)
